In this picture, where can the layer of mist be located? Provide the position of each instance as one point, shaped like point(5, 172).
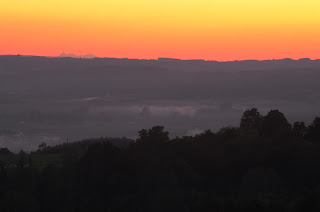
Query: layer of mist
point(52, 100)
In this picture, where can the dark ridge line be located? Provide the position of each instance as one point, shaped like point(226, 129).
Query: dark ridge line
point(164, 59)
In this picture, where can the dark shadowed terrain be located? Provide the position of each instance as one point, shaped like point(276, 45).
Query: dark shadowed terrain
point(264, 164)
point(51, 100)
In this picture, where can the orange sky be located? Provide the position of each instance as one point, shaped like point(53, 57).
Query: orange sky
point(199, 29)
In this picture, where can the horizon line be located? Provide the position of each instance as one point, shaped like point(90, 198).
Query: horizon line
point(157, 59)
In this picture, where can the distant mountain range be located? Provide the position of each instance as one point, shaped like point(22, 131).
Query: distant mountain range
point(176, 61)
point(171, 64)
point(77, 56)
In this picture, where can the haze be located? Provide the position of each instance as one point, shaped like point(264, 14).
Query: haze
point(59, 98)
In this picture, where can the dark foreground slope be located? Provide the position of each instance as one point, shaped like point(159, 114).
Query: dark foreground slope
point(266, 164)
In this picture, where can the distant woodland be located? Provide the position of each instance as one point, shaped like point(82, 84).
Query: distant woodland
point(264, 164)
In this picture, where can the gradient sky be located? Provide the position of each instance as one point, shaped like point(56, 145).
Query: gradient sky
point(198, 29)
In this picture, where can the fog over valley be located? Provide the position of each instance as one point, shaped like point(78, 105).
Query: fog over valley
point(55, 99)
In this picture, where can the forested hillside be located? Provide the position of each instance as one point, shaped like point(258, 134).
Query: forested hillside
point(265, 164)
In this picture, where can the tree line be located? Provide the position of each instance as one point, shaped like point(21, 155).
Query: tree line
point(264, 164)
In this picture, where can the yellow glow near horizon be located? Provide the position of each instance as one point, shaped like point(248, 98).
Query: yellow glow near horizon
point(208, 29)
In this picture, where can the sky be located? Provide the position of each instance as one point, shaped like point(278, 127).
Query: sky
point(147, 29)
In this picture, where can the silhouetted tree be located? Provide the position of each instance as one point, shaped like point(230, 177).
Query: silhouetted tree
point(30, 163)
point(228, 132)
point(313, 131)
point(155, 134)
point(5, 151)
point(205, 136)
point(42, 145)
point(275, 124)
point(299, 129)
point(22, 159)
point(251, 119)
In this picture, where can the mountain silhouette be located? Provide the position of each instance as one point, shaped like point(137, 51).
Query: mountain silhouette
point(77, 56)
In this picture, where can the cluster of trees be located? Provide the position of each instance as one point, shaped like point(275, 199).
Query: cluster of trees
point(275, 124)
point(265, 164)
